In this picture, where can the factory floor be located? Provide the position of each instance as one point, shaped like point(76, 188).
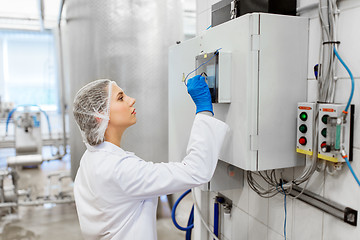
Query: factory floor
point(59, 221)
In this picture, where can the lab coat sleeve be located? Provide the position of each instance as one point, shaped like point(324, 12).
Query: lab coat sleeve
point(138, 178)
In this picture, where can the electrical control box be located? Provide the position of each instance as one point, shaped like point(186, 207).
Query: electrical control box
point(267, 75)
point(216, 68)
point(306, 113)
point(335, 132)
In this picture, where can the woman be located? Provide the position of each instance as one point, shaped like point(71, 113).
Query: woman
point(116, 191)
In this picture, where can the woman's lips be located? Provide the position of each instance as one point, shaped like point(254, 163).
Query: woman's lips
point(133, 112)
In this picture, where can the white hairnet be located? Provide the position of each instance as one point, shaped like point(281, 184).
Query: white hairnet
point(92, 110)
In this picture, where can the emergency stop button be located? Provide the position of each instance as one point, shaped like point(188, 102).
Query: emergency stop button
point(302, 141)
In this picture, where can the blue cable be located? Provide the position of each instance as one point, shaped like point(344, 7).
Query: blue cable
point(216, 219)
point(352, 170)
point(47, 119)
point(348, 105)
point(284, 209)
point(208, 27)
point(351, 76)
point(190, 221)
point(215, 53)
point(8, 119)
point(174, 210)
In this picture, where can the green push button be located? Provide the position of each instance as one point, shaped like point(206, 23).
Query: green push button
point(303, 116)
point(303, 128)
point(323, 132)
point(324, 119)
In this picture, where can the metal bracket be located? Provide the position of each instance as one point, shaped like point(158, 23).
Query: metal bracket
point(337, 210)
point(225, 202)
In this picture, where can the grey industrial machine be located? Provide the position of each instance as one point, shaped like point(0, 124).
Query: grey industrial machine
point(226, 10)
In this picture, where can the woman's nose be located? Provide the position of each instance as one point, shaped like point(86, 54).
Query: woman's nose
point(133, 100)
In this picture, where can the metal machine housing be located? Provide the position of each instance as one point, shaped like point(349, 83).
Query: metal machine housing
point(268, 78)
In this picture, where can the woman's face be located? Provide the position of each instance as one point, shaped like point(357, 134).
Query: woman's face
point(122, 112)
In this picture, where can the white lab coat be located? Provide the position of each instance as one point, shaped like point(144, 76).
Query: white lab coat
point(116, 191)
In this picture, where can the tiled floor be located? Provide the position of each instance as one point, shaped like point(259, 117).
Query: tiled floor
point(41, 222)
point(60, 221)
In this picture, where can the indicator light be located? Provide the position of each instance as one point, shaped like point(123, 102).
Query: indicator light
point(303, 128)
point(323, 132)
point(324, 147)
point(324, 119)
point(302, 141)
point(303, 116)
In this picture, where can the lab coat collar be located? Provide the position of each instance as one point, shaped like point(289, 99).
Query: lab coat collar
point(106, 147)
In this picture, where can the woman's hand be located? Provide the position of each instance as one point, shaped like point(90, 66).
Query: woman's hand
point(200, 94)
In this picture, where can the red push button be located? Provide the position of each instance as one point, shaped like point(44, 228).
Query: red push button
point(302, 141)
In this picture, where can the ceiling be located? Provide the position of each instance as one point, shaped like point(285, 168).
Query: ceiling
point(25, 14)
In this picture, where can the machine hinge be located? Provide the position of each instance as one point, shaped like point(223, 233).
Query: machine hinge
point(255, 32)
point(254, 142)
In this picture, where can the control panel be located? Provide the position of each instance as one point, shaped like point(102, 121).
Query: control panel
point(306, 113)
point(335, 132)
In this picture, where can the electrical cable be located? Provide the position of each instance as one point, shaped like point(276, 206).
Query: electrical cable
point(326, 80)
point(8, 120)
point(215, 53)
point(273, 182)
point(302, 191)
point(216, 218)
point(351, 77)
point(201, 217)
point(352, 170)
point(284, 209)
point(190, 221)
point(335, 15)
point(173, 211)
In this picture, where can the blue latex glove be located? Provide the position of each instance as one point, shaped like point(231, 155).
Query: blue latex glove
point(200, 94)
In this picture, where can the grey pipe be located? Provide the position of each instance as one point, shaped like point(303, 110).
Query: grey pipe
point(60, 11)
point(34, 203)
point(61, 78)
point(42, 202)
point(41, 14)
point(307, 8)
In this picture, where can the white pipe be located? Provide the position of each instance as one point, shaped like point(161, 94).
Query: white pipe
point(24, 160)
point(7, 205)
point(29, 160)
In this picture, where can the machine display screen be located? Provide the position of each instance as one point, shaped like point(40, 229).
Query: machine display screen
point(209, 70)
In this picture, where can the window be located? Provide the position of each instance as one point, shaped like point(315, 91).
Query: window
point(28, 72)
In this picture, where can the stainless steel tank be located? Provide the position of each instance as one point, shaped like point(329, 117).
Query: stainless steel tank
point(126, 41)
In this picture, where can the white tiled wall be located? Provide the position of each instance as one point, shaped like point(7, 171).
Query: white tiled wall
point(256, 218)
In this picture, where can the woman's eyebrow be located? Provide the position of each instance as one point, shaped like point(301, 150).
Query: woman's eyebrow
point(119, 94)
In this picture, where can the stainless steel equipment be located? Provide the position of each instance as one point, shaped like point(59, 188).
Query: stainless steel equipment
point(126, 41)
point(28, 139)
